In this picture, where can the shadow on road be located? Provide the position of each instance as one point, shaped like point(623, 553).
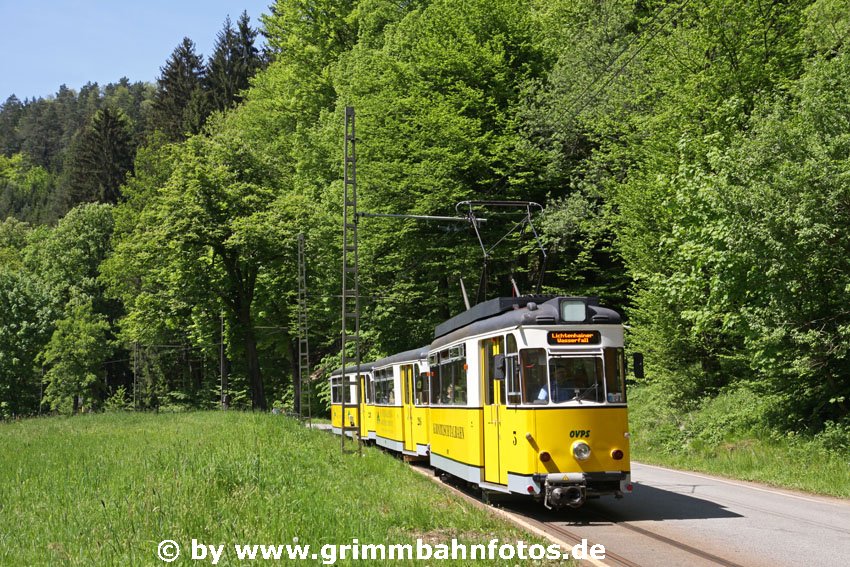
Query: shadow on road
point(646, 503)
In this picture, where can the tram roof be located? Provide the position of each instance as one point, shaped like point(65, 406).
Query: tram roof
point(411, 355)
point(486, 310)
point(364, 367)
point(506, 312)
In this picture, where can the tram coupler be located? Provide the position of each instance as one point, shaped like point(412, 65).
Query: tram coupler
point(564, 491)
point(572, 495)
point(558, 496)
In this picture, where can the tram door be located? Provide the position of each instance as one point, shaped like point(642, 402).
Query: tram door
point(407, 406)
point(494, 408)
point(364, 426)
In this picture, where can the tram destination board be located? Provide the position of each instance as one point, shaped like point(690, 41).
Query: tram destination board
point(574, 337)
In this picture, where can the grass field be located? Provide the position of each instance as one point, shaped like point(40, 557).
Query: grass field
point(106, 489)
point(725, 438)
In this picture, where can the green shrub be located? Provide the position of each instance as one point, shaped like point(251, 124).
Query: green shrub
point(118, 401)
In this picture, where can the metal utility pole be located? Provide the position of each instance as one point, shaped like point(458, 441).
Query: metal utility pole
point(302, 385)
point(350, 281)
point(222, 361)
point(135, 371)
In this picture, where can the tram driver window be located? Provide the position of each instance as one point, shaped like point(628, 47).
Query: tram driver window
point(576, 378)
point(535, 386)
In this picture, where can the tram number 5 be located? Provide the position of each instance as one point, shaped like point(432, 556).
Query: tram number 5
point(579, 433)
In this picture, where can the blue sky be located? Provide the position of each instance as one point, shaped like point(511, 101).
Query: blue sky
point(44, 44)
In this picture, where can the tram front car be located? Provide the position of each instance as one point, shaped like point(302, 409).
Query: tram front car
point(553, 395)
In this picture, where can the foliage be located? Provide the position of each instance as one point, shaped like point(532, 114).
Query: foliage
point(179, 105)
point(25, 325)
point(25, 190)
point(118, 401)
point(234, 61)
point(692, 158)
point(735, 434)
point(100, 157)
point(74, 357)
point(68, 257)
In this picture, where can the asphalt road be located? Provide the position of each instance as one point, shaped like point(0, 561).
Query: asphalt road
point(680, 518)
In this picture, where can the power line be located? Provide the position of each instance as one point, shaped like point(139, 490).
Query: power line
point(632, 57)
point(614, 60)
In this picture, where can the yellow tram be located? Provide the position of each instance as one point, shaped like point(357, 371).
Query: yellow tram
point(399, 396)
point(517, 395)
point(343, 383)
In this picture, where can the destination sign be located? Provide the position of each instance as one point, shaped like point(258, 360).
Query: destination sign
point(574, 337)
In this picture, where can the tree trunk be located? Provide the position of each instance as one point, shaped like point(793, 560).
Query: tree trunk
point(252, 360)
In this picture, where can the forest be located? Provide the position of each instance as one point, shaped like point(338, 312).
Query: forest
point(692, 158)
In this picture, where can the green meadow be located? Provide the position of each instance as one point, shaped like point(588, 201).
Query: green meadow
point(106, 489)
point(727, 436)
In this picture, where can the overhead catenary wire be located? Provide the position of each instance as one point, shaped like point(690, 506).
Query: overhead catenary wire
point(631, 58)
point(610, 64)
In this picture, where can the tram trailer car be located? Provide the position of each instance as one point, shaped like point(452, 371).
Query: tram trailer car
point(528, 396)
point(398, 395)
point(517, 395)
point(343, 383)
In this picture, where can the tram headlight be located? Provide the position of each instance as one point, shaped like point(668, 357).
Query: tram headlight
point(581, 451)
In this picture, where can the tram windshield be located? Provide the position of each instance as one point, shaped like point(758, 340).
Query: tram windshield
point(576, 379)
point(560, 379)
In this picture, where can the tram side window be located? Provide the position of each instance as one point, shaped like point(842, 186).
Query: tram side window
point(384, 387)
point(451, 372)
point(370, 389)
point(434, 378)
point(447, 385)
point(535, 386)
point(379, 386)
point(422, 382)
point(615, 375)
point(364, 383)
point(336, 397)
point(444, 380)
point(459, 374)
point(348, 388)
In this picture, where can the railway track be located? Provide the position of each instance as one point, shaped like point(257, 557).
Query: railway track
point(568, 528)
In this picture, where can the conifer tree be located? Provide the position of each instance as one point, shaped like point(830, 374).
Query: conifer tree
point(221, 70)
point(10, 115)
point(99, 158)
point(248, 57)
point(178, 107)
point(234, 61)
